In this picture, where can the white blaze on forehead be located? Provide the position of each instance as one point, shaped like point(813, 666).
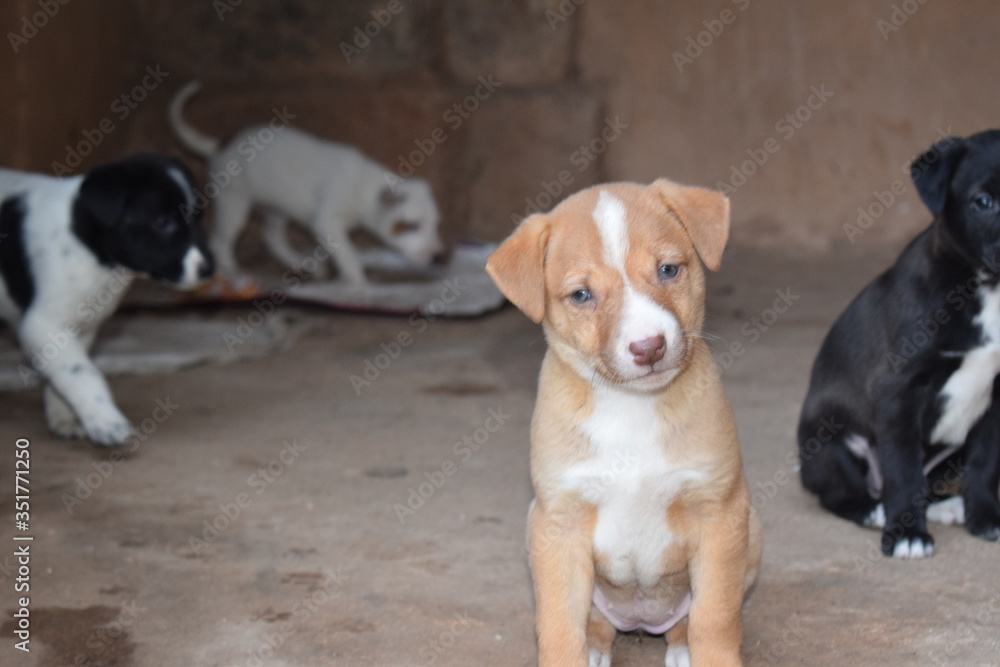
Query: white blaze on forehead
point(185, 186)
point(610, 218)
point(641, 317)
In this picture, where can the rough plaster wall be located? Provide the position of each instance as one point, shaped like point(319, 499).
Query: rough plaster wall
point(565, 67)
point(892, 95)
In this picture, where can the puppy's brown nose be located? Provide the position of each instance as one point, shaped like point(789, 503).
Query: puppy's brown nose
point(648, 351)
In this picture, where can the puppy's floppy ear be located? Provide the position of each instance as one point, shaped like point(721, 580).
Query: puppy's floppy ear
point(704, 215)
point(103, 193)
point(932, 171)
point(517, 266)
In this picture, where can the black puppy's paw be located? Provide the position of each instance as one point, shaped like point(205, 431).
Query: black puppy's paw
point(987, 528)
point(907, 543)
point(991, 533)
point(983, 518)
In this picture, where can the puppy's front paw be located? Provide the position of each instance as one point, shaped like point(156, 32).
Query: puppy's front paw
point(876, 518)
point(991, 533)
point(912, 543)
point(948, 512)
point(62, 421)
point(985, 525)
point(110, 432)
point(678, 656)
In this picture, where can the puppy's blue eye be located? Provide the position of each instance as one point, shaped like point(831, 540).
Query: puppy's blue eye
point(581, 296)
point(668, 271)
point(983, 201)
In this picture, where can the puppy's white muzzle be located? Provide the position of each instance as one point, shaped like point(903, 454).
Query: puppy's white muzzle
point(649, 341)
point(196, 267)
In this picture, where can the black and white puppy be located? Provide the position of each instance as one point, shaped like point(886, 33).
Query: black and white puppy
point(69, 248)
point(903, 404)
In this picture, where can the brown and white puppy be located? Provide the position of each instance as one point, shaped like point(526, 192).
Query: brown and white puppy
point(641, 517)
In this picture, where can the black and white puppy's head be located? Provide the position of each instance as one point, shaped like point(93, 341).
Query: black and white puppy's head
point(137, 213)
point(958, 179)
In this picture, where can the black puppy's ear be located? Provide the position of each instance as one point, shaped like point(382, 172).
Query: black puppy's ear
point(103, 194)
point(932, 171)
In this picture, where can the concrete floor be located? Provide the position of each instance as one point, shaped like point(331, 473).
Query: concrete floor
point(312, 563)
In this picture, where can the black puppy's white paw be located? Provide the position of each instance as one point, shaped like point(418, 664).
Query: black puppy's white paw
point(110, 432)
point(876, 518)
point(61, 419)
point(911, 544)
point(948, 512)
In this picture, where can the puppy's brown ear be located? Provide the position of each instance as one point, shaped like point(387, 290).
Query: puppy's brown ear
point(704, 214)
point(517, 266)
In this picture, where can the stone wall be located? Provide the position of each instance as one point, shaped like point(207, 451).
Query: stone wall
point(482, 99)
point(805, 112)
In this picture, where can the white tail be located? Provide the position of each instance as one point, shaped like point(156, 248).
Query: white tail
point(193, 140)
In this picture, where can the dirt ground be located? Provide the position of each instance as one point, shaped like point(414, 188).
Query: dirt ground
point(261, 521)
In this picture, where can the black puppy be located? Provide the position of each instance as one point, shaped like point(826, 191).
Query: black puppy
point(69, 248)
point(903, 401)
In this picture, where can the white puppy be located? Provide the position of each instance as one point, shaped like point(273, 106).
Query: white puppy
point(69, 248)
point(328, 187)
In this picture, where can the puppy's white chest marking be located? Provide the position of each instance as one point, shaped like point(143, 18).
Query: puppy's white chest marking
point(967, 394)
point(631, 481)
